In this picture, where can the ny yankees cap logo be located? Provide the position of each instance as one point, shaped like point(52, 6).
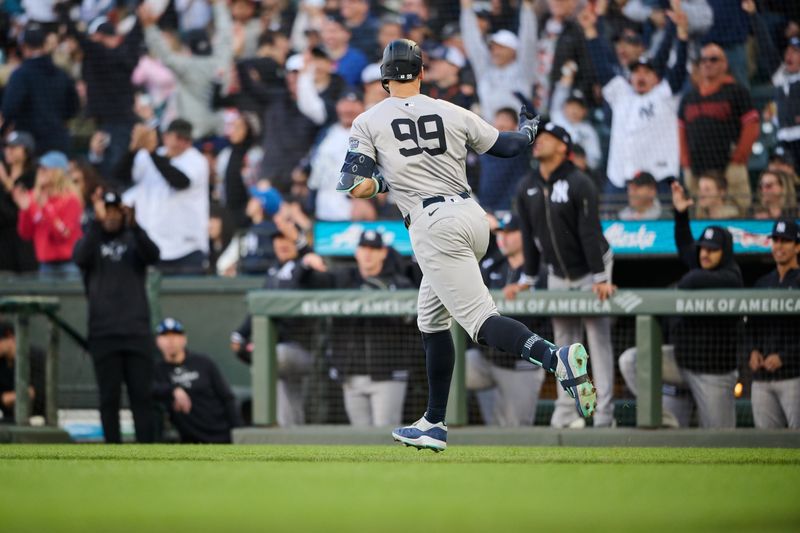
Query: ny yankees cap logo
point(780, 227)
point(709, 234)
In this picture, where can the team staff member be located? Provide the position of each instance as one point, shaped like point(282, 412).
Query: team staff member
point(113, 257)
point(294, 361)
point(418, 147)
point(557, 206)
point(705, 347)
point(200, 403)
point(510, 387)
point(775, 340)
point(374, 383)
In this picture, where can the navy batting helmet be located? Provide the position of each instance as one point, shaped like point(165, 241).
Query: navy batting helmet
point(402, 61)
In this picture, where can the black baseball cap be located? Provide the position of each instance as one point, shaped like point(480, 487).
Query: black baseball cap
point(351, 95)
point(577, 96)
point(371, 239)
point(509, 222)
point(644, 62)
point(112, 198)
point(181, 127)
point(631, 36)
point(34, 35)
point(21, 138)
point(102, 26)
point(644, 179)
point(713, 237)
point(320, 53)
point(786, 228)
point(559, 133)
point(170, 325)
point(198, 42)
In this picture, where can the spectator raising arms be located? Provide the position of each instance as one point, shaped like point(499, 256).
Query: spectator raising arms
point(50, 215)
point(506, 65)
point(197, 72)
point(644, 127)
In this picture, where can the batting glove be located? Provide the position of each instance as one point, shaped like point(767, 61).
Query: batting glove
point(528, 124)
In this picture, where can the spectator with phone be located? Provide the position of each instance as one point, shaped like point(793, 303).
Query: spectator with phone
point(113, 257)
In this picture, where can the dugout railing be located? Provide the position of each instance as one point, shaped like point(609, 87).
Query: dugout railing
point(645, 306)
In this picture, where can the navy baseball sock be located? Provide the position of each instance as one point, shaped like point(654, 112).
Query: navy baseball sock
point(440, 357)
point(513, 337)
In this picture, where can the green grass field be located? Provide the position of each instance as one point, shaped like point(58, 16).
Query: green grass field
point(345, 488)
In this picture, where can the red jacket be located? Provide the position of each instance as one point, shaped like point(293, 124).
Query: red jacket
point(54, 227)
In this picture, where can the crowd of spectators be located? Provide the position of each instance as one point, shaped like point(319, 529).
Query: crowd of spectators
point(188, 107)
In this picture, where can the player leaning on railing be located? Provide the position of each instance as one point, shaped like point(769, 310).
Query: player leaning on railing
point(417, 146)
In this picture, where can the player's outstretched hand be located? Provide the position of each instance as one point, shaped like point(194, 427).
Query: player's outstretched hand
point(528, 124)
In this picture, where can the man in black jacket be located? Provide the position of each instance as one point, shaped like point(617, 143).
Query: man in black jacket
point(370, 356)
point(40, 97)
point(113, 257)
point(294, 360)
point(774, 341)
point(200, 403)
point(705, 347)
point(557, 206)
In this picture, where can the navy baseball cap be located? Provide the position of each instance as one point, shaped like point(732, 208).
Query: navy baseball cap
point(371, 239)
point(34, 35)
point(712, 238)
point(786, 228)
point(644, 62)
point(559, 133)
point(509, 222)
point(170, 325)
point(642, 178)
point(21, 138)
point(112, 198)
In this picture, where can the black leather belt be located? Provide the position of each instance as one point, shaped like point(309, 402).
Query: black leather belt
point(432, 200)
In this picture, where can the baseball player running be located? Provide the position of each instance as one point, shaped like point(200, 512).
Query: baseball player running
point(417, 146)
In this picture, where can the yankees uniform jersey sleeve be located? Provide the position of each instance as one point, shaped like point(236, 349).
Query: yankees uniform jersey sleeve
point(420, 145)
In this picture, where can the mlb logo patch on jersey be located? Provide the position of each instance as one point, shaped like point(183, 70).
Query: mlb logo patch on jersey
point(353, 143)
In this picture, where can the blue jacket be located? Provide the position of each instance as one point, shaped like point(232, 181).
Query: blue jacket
point(40, 98)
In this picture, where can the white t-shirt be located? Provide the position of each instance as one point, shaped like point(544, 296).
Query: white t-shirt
point(644, 131)
point(177, 221)
point(325, 167)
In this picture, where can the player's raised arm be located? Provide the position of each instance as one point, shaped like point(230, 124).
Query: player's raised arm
point(513, 143)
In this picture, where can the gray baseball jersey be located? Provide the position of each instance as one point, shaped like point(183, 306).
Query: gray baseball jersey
point(420, 145)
